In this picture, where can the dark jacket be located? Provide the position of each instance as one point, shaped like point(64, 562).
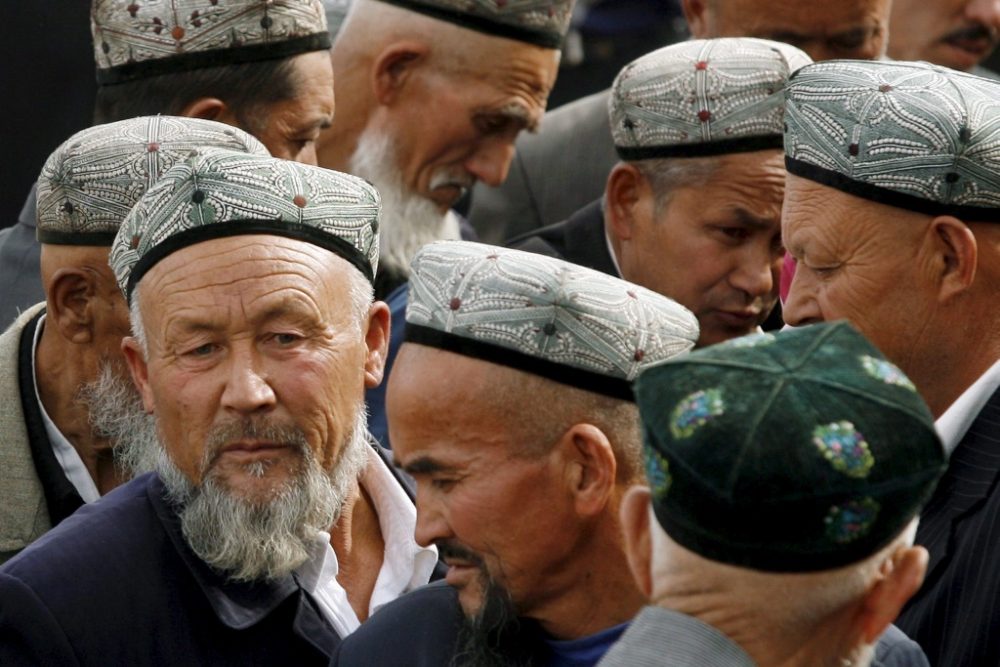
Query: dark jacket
point(579, 239)
point(115, 584)
point(421, 629)
point(955, 616)
point(20, 265)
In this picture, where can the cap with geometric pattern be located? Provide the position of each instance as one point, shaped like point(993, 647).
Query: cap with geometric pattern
point(912, 135)
point(542, 315)
point(92, 181)
point(134, 39)
point(797, 451)
point(217, 194)
point(702, 97)
point(540, 22)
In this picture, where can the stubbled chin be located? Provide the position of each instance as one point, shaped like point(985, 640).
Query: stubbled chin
point(470, 597)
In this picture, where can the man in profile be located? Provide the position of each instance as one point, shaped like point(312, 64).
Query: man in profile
point(785, 475)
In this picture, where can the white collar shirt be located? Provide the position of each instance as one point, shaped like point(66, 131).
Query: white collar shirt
point(953, 424)
point(405, 564)
point(69, 459)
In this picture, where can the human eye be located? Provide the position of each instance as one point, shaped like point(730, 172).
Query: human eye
point(198, 351)
point(732, 233)
point(850, 40)
point(285, 338)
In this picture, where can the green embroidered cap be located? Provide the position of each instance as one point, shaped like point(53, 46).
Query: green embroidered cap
point(797, 451)
point(542, 315)
point(134, 39)
point(540, 22)
point(92, 181)
point(702, 97)
point(911, 135)
point(215, 194)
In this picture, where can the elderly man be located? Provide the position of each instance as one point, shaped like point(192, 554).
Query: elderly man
point(271, 527)
point(432, 94)
point(891, 209)
point(260, 65)
point(786, 472)
point(68, 412)
point(955, 33)
point(566, 165)
point(693, 210)
point(512, 409)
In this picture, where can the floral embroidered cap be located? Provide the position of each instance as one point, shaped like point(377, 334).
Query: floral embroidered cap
point(215, 194)
point(797, 451)
point(134, 39)
point(91, 182)
point(542, 315)
point(702, 97)
point(912, 135)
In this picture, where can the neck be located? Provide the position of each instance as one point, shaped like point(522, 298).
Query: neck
point(357, 540)
point(769, 645)
point(953, 370)
point(592, 592)
point(61, 368)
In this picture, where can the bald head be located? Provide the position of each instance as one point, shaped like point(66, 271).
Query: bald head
point(828, 30)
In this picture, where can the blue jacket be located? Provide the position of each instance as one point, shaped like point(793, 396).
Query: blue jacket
point(115, 584)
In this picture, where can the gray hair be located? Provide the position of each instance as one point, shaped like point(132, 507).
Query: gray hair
point(668, 174)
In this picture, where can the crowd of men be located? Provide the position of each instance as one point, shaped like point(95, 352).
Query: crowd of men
point(267, 397)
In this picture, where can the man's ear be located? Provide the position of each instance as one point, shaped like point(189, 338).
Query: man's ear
point(209, 108)
point(70, 304)
point(900, 578)
point(377, 343)
point(592, 467)
point(638, 542)
point(955, 245)
point(136, 361)
point(624, 199)
point(394, 67)
point(696, 14)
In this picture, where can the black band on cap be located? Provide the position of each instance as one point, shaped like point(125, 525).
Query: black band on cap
point(886, 196)
point(547, 39)
point(722, 147)
point(292, 230)
point(51, 237)
point(574, 377)
point(229, 56)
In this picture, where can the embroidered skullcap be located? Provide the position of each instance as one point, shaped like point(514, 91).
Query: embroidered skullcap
point(702, 97)
point(540, 22)
point(134, 39)
point(336, 12)
point(797, 451)
point(911, 135)
point(216, 194)
point(91, 182)
point(542, 315)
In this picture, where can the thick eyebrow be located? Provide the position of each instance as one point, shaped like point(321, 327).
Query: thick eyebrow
point(422, 466)
point(748, 219)
point(514, 113)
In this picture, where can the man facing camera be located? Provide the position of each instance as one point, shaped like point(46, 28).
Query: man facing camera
point(271, 528)
point(786, 472)
point(511, 408)
point(693, 208)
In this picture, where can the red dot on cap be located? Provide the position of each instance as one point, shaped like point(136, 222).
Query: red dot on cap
point(704, 115)
point(455, 303)
point(639, 354)
point(153, 147)
point(299, 201)
point(853, 149)
point(884, 88)
point(701, 64)
point(177, 32)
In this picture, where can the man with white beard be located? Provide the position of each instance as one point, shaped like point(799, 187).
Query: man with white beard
point(271, 528)
point(431, 95)
point(66, 401)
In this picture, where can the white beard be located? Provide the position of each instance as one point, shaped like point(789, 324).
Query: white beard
point(250, 541)
point(408, 221)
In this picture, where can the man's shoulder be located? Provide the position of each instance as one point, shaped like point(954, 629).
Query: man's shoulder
point(418, 630)
point(895, 649)
point(109, 540)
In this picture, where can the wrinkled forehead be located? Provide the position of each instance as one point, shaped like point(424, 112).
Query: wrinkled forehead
point(247, 266)
point(765, 18)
